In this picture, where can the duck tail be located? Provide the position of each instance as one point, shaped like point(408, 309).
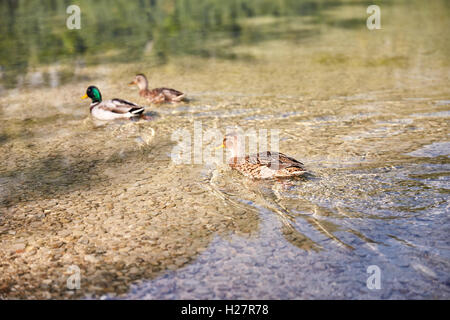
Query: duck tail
point(136, 110)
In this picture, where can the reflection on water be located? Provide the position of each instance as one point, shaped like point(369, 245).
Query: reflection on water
point(152, 30)
point(433, 150)
point(366, 111)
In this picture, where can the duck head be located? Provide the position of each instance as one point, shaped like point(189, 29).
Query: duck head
point(233, 142)
point(141, 81)
point(93, 93)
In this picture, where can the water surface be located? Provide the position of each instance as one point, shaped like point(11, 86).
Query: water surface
point(366, 111)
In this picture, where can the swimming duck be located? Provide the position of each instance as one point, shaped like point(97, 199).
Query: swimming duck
point(157, 95)
point(263, 165)
point(111, 109)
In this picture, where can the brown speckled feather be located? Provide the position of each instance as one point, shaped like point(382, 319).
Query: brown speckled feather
point(266, 165)
point(160, 95)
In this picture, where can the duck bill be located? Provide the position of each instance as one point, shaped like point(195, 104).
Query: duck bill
point(132, 83)
point(220, 147)
point(85, 96)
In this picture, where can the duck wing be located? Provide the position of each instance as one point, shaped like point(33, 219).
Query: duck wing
point(170, 94)
point(274, 159)
point(121, 106)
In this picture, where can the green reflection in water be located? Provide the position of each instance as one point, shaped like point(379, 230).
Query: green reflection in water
point(34, 32)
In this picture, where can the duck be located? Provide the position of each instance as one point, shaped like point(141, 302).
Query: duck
point(158, 95)
point(263, 165)
point(111, 109)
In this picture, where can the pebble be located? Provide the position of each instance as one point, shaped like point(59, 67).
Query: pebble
point(46, 295)
point(17, 247)
point(90, 258)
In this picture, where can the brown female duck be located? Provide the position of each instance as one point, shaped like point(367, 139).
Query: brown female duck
point(158, 95)
point(263, 165)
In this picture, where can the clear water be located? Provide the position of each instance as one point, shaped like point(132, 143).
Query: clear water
point(366, 111)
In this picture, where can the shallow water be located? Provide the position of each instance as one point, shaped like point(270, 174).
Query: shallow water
point(366, 111)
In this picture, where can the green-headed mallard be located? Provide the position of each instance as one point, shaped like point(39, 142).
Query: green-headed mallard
point(263, 165)
point(158, 95)
point(111, 109)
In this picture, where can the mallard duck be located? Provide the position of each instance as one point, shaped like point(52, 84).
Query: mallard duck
point(158, 95)
point(263, 165)
point(111, 109)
